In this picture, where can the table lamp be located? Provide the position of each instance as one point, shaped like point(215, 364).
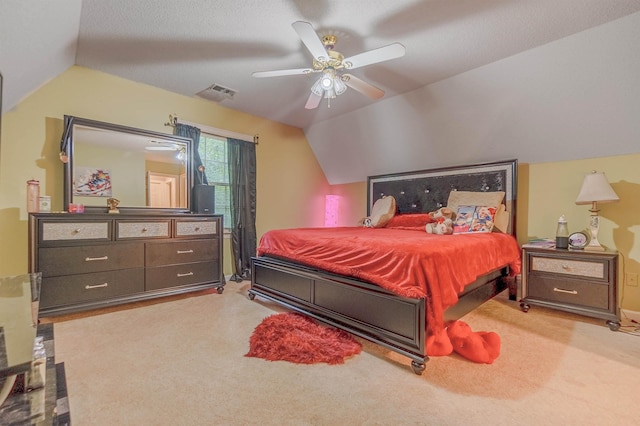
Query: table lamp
point(595, 189)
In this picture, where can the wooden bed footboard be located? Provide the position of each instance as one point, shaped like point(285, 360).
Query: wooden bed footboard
point(369, 311)
point(358, 307)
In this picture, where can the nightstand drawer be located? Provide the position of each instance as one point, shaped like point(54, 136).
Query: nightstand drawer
point(569, 267)
point(570, 292)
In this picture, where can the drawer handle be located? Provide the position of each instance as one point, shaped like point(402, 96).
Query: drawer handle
point(565, 266)
point(144, 229)
point(185, 251)
point(559, 290)
point(91, 259)
point(75, 231)
point(188, 274)
point(197, 229)
point(89, 287)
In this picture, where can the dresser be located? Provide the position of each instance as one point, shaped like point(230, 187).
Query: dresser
point(577, 281)
point(91, 261)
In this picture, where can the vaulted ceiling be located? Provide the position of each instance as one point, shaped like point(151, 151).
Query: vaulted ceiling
point(188, 46)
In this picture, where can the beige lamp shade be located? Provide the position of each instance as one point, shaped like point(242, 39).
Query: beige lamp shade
point(596, 188)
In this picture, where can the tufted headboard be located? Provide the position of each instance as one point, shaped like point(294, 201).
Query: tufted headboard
point(428, 190)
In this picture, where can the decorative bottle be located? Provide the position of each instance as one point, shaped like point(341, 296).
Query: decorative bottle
point(36, 377)
point(33, 196)
point(562, 234)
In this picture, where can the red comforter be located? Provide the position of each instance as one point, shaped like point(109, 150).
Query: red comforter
point(409, 263)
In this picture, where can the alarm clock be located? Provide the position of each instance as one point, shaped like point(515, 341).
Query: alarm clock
point(578, 240)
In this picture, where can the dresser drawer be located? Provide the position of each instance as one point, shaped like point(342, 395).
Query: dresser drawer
point(80, 231)
point(570, 292)
point(186, 228)
point(54, 261)
point(150, 229)
point(179, 275)
point(171, 253)
point(69, 290)
point(581, 268)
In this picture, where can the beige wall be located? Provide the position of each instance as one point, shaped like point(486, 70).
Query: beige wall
point(291, 185)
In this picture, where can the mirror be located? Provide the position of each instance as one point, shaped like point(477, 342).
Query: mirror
point(145, 171)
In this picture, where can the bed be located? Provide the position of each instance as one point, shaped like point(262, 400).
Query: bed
point(404, 316)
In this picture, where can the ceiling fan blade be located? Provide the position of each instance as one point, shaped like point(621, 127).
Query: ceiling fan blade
point(278, 73)
point(362, 86)
point(313, 101)
point(381, 54)
point(310, 39)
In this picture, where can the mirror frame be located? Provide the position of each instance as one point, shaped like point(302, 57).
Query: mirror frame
point(67, 149)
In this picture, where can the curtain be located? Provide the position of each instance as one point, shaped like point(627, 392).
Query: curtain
point(242, 185)
point(193, 133)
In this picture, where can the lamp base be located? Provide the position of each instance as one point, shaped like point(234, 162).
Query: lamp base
point(594, 225)
point(594, 245)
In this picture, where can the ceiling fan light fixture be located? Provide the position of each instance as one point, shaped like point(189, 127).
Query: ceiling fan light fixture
point(332, 64)
point(317, 88)
point(339, 86)
point(327, 81)
point(329, 93)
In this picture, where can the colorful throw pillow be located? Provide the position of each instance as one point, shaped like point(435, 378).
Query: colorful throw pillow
point(483, 219)
point(474, 219)
point(464, 217)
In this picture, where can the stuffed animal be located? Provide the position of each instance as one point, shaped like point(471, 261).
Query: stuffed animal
point(442, 221)
point(445, 212)
point(440, 227)
point(478, 346)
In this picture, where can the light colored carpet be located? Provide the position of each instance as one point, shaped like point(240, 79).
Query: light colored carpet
point(182, 363)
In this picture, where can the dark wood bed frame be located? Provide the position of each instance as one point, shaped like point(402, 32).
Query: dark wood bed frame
point(369, 311)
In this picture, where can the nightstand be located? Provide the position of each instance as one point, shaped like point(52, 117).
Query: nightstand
point(577, 281)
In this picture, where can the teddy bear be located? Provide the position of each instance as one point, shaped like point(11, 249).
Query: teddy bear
point(476, 346)
point(442, 221)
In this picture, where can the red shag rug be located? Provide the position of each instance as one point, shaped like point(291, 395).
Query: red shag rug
point(296, 338)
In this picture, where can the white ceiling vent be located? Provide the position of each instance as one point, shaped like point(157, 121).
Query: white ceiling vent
point(217, 93)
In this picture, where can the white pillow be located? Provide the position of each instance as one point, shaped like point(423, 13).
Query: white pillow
point(382, 212)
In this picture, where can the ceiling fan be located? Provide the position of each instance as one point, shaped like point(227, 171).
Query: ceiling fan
point(333, 66)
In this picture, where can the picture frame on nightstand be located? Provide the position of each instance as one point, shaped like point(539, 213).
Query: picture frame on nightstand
point(578, 240)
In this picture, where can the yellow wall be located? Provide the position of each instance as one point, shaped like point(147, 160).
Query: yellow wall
point(553, 188)
point(291, 185)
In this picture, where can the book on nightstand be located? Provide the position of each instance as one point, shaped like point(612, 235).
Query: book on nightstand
point(540, 243)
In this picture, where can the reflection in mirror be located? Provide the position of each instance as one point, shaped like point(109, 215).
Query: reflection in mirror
point(18, 320)
point(140, 169)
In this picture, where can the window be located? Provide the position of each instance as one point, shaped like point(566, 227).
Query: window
point(213, 153)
